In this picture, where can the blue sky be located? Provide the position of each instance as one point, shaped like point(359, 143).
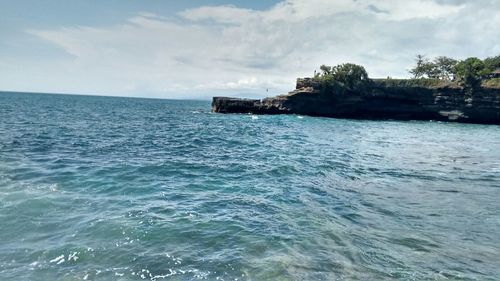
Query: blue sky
point(195, 49)
point(53, 13)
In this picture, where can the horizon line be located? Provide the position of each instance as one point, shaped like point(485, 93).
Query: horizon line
point(96, 95)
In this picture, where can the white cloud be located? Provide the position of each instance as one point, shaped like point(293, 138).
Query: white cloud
point(405, 10)
point(225, 48)
point(221, 14)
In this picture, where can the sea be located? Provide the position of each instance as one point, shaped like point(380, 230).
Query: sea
point(111, 188)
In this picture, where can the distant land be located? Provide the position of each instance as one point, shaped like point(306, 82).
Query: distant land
point(444, 89)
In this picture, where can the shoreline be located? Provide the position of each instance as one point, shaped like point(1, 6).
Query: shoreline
point(378, 101)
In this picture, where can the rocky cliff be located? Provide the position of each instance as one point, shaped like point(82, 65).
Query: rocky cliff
point(380, 100)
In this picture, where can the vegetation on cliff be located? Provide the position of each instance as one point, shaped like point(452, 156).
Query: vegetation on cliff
point(441, 71)
point(346, 91)
point(468, 73)
point(491, 83)
point(347, 76)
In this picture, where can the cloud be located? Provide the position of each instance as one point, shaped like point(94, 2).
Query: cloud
point(214, 49)
point(220, 14)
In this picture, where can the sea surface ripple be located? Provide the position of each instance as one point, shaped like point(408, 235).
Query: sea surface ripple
point(102, 188)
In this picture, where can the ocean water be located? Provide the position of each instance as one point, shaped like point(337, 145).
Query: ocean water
point(101, 188)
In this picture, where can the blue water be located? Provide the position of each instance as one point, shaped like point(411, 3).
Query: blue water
point(101, 188)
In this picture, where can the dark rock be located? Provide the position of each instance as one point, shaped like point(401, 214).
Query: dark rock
point(377, 101)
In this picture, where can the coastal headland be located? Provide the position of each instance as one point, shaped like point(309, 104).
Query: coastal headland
point(383, 99)
point(346, 92)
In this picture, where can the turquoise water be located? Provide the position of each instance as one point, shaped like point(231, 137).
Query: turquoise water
point(100, 188)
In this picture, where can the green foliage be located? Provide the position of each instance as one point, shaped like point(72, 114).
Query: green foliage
point(440, 68)
point(444, 67)
point(347, 76)
point(411, 83)
point(350, 75)
point(491, 64)
point(420, 69)
point(470, 72)
point(325, 70)
point(442, 71)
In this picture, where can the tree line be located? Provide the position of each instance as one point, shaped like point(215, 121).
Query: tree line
point(468, 72)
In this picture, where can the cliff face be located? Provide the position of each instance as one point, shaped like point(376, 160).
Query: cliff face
point(378, 101)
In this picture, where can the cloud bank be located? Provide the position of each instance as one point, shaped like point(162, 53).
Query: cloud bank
point(233, 51)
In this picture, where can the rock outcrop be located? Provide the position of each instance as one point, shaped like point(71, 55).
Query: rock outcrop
point(379, 100)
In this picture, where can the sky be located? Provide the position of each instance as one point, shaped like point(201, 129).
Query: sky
point(196, 49)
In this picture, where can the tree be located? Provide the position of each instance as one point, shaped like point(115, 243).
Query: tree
point(338, 79)
point(325, 69)
point(470, 71)
point(431, 70)
point(444, 67)
point(420, 69)
point(492, 63)
point(440, 68)
point(350, 75)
